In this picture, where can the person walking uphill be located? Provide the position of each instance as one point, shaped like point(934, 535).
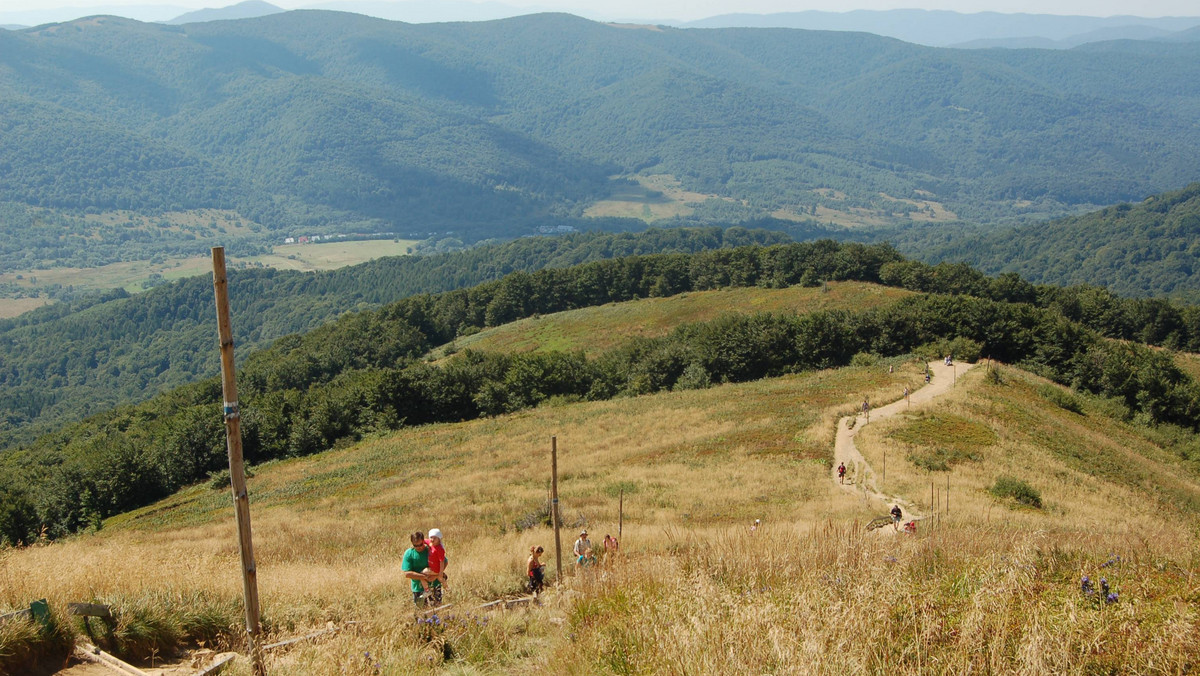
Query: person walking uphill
point(897, 514)
point(842, 473)
point(583, 544)
point(416, 560)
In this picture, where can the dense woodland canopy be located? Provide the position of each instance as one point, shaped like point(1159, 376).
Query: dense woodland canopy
point(1150, 248)
point(339, 121)
point(363, 373)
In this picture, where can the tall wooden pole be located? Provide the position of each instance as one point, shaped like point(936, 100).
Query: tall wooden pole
point(621, 515)
point(554, 506)
point(237, 475)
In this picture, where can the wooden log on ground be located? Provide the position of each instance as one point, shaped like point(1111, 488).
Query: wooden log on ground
point(429, 611)
point(91, 653)
point(217, 665)
point(306, 637)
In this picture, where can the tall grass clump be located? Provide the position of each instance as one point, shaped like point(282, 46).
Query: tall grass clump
point(1022, 492)
point(26, 646)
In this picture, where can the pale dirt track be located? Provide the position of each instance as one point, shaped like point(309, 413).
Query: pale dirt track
point(858, 471)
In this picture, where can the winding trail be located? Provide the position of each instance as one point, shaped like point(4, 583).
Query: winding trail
point(845, 451)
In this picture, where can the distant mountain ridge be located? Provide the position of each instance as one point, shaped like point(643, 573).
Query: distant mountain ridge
point(248, 9)
point(941, 28)
point(315, 118)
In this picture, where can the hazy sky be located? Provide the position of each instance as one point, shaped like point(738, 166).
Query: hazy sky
point(696, 9)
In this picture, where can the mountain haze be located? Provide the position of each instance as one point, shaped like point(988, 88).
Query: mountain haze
point(352, 124)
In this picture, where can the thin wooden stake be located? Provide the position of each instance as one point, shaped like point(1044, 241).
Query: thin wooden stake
point(554, 505)
point(237, 475)
point(621, 517)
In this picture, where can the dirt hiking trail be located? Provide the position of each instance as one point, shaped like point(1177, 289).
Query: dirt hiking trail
point(844, 450)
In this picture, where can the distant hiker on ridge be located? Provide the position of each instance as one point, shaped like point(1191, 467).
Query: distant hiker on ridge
point(842, 473)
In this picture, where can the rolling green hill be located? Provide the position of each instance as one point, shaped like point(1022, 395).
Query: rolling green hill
point(1147, 248)
point(337, 121)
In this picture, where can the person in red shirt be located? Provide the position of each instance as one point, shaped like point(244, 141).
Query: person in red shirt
point(437, 563)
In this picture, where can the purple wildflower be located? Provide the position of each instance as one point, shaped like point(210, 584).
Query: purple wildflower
point(1111, 598)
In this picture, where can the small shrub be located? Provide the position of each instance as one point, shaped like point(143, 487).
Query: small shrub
point(1023, 493)
point(865, 359)
point(694, 377)
point(1061, 398)
point(993, 377)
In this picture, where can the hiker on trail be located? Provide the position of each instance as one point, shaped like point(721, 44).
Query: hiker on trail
point(582, 545)
point(842, 473)
point(867, 408)
point(906, 393)
point(437, 563)
point(927, 377)
point(754, 526)
point(587, 559)
point(610, 548)
point(415, 561)
point(536, 570)
point(897, 514)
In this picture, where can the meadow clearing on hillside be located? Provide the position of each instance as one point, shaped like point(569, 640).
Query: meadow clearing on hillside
point(133, 276)
point(993, 587)
point(597, 329)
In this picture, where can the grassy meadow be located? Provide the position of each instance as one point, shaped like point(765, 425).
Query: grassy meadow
point(132, 275)
point(597, 329)
point(987, 587)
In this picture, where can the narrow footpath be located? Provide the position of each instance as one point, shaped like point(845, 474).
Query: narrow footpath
point(844, 449)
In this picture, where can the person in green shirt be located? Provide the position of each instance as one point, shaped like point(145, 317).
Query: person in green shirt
point(416, 560)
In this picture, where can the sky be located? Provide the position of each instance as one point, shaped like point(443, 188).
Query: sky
point(679, 10)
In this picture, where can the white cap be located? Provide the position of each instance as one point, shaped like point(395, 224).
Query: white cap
point(435, 533)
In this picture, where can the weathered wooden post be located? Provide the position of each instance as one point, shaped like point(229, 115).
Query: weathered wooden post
point(237, 475)
point(621, 515)
point(554, 507)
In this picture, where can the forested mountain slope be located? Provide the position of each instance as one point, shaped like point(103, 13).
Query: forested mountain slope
point(1145, 248)
point(312, 118)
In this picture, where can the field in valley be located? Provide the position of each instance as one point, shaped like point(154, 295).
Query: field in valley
point(133, 276)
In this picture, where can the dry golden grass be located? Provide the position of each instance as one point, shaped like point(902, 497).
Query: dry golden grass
point(990, 590)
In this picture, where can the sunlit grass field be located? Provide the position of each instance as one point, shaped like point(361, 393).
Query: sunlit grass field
point(132, 274)
point(597, 329)
point(986, 587)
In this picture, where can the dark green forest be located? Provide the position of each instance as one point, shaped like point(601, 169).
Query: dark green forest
point(363, 373)
point(316, 119)
point(65, 361)
point(1147, 248)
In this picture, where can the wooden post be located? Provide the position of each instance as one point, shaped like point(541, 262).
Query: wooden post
point(554, 506)
point(237, 476)
point(621, 516)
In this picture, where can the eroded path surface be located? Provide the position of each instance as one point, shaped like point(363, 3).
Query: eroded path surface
point(844, 450)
